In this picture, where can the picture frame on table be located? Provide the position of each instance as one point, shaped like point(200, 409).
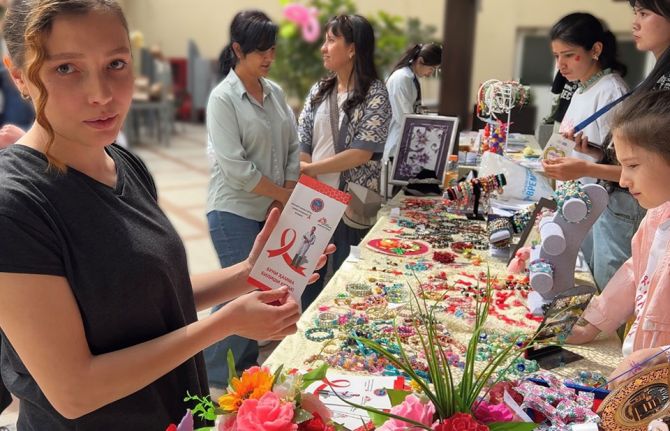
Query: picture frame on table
point(426, 143)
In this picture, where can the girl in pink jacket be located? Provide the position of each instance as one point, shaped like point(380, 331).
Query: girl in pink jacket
point(640, 289)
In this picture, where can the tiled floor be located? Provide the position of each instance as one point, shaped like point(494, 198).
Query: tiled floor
point(181, 172)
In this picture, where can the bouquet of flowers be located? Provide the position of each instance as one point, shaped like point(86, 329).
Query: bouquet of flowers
point(262, 400)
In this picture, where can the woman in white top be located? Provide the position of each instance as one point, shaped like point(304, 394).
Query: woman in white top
point(585, 52)
point(404, 90)
point(344, 124)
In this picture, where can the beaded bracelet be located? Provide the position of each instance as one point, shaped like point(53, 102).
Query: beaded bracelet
point(331, 349)
point(521, 219)
point(541, 265)
point(593, 379)
point(571, 190)
point(397, 296)
point(327, 319)
point(500, 224)
point(342, 300)
point(358, 289)
point(359, 305)
point(319, 334)
point(376, 300)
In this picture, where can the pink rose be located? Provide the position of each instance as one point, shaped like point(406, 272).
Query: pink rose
point(313, 404)
point(225, 423)
point(488, 413)
point(460, 422)
point(265, 414)
point(412, 408)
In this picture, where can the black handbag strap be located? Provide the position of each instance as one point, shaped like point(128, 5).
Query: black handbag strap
point(338, 141)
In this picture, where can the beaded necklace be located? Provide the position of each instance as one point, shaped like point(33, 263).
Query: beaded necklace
point(592, 80)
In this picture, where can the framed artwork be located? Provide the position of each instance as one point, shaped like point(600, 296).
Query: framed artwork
point(427, 141)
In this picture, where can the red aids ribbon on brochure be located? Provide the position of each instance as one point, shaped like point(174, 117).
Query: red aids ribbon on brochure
point(283, 251)
point(341, 383)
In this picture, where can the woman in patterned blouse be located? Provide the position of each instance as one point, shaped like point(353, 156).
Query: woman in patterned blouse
point(344, 124)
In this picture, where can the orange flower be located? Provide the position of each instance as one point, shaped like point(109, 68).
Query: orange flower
point(253, 384)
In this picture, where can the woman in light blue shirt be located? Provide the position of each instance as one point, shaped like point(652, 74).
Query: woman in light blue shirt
point(252, 143)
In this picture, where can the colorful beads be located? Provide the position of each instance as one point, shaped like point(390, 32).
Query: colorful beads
point(319, 334)
point(572, 202)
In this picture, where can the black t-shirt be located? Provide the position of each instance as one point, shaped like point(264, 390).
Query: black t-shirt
point(126, 266)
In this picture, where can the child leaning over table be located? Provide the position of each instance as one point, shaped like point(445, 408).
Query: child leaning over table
point(640, 289)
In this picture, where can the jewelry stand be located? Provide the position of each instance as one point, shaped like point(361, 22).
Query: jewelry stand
point(552, 265)
point(561, 240)
point(495, 98)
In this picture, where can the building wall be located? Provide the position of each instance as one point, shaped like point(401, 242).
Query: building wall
point(171, 23)
point(499, 21)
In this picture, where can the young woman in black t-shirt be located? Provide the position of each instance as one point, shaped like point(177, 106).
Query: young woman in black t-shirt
point(97, 310)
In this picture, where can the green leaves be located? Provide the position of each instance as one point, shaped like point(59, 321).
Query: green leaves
point(299, 65)
point(232, 372)
point(396, 396)
point(315, 375)
point(204, 407)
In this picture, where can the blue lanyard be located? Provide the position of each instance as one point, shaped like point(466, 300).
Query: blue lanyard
point(600, 112)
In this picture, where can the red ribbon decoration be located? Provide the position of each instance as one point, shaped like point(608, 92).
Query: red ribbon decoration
point(283, 251)
point(342, 383)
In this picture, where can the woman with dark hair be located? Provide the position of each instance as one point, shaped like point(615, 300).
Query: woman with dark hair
point(651, 31)
point(419, 61)
point(344, 124)
point(98, 313)
point(253, 148)
point(586, 53)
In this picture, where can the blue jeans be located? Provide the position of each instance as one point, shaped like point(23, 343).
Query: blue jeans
point(233, 237)
point(607, 245)
point(343, 237)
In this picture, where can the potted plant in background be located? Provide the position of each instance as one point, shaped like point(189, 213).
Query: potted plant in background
point(298, 64)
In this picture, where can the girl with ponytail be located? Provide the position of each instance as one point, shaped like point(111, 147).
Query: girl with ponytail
point(404, 89)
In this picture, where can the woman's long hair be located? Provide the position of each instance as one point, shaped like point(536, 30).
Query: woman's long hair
point(357, 30)
point(253, 31)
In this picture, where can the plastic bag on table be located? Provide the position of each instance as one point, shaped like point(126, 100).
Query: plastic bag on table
point(522, 183)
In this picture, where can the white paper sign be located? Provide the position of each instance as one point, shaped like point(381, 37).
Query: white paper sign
point(369, 391)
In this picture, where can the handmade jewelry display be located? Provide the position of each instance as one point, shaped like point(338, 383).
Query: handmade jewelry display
point(379, 307)
point(471, 196)
point(500, 232)
point(495, 101)
point(562, 234)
